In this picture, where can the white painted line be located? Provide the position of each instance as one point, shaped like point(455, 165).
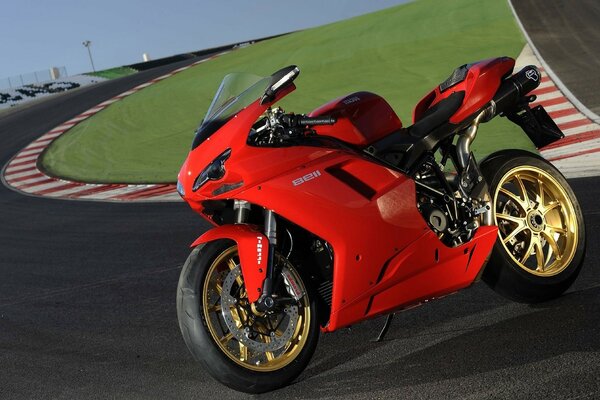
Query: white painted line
point(93, 110)
point(581, 162)
point(579, 166)
point(56, 132)
point(51, 135)
point(32, 180)
point(8, 177)
point(62, 127)
point(570, 118)
point(10, 169)
point(79, 118)
point(571, 148)
point(72, 190)
point(111, 193)
point(38, 143)
point(165, 197)
point(144, 85)
point(20, 158)
point(549, 96)
point(558, 107)
point(180, 69)
point(580, 129)
point(127, 93)
point(107, 102)
point(44, 186)
point(160, 78)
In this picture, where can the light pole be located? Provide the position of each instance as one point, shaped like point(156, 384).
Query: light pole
point(87, 44)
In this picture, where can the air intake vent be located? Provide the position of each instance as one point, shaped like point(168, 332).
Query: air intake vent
point(353, 182)
point(325, 290)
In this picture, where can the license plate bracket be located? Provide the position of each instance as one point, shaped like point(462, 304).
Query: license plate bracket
point(538, 125)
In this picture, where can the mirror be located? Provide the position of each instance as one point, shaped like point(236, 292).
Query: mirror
point(280, 80)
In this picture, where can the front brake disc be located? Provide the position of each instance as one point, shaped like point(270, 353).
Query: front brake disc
point(243, 333)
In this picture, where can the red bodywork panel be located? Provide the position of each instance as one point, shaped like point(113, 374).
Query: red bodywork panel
point(253, 248)
point(385, 255)
point(480, 85)
point(362, 118)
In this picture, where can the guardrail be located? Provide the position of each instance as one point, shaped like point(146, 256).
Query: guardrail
point(35, 77)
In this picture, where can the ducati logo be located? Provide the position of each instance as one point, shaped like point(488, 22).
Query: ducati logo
point(306, 178)
point(351, 100)
point(259, 248)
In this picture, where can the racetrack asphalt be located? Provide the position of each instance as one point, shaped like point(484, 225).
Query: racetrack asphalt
point(87, 308)
point(567, 35)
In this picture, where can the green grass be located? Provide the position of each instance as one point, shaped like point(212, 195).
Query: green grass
point(113, 73)
point(400, 53)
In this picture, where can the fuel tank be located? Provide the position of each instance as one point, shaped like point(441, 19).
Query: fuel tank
point(362, 118)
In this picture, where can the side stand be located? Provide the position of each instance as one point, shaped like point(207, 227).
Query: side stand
point(386, 327)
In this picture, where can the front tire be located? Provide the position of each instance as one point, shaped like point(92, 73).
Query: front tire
point(242, 348)
point(541, 240)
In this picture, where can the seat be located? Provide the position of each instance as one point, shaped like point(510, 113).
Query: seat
point(437, 114)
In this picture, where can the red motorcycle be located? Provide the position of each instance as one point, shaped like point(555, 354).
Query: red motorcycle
point(328, 219)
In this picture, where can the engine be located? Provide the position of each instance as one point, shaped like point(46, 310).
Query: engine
point(449, 211)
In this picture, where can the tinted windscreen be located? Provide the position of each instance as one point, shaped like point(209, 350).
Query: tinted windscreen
point(236, 92)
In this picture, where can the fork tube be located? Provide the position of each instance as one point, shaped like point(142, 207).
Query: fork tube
point(271, 234)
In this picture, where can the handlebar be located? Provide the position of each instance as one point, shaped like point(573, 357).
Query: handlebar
point(294, 121)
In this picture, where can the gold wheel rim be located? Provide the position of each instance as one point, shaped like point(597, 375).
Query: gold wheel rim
point(536, 221)
point(244, 313)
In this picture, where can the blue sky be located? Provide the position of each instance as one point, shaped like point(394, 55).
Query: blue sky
point(39, 34)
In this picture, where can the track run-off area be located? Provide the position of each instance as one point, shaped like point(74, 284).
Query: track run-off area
point(87, 290)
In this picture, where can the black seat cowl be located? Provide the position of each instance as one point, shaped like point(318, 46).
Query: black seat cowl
point(437, 115)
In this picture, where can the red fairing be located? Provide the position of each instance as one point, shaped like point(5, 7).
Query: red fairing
point(424, 270)
point(368, 215)
point(362, 118)
point(480, 85)
point(253, 248)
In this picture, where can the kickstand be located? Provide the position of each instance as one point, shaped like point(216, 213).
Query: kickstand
point(386, 327)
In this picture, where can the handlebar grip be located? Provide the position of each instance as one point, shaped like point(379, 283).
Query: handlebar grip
point(309, 121)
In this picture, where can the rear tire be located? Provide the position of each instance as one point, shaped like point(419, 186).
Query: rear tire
point(202, 325)
point(541, 243)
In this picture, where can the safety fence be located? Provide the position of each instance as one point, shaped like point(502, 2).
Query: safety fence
point(35, 77)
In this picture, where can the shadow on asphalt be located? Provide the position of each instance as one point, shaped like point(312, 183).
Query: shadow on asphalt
point(544, 331)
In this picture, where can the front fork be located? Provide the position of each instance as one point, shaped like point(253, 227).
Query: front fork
point(242, 209)
point(266, 300)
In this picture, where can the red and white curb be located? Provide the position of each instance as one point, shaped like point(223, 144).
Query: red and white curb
point(22, 172)
point(578, 153)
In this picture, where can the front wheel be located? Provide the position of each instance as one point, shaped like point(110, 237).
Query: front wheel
point(541, 235)
point(240, 346)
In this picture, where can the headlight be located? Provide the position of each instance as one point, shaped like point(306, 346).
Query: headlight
point(213, 171)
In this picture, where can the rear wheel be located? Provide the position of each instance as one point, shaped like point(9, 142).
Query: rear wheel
point(240, 346)
point(541, 235)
